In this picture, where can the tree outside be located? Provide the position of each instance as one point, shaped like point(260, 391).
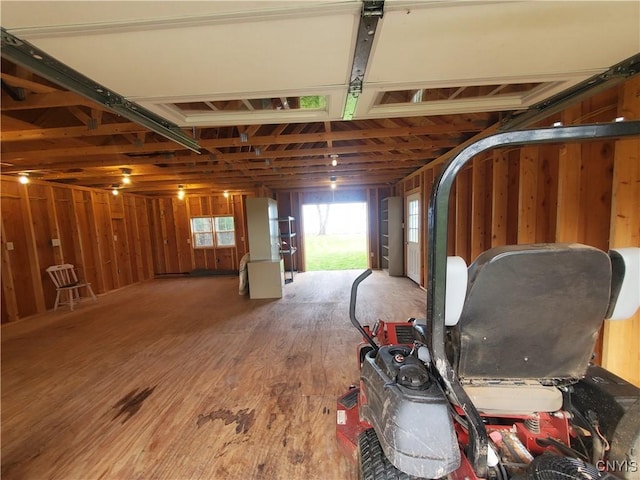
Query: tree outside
point(335, 236)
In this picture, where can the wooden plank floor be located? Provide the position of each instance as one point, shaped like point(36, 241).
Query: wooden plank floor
point(182, 378)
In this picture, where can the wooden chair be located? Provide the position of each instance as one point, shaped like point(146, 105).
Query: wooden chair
point(65, 279)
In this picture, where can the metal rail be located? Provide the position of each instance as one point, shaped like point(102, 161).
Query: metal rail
point(438, 218)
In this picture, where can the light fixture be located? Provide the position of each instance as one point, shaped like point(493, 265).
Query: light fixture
point(226, 194)
point(114, 189)
point(334, 159)
point(24, 178)
point(619, 119)
point(333, 179)
point(180, 192)
point(333, 185)
point(126, 175)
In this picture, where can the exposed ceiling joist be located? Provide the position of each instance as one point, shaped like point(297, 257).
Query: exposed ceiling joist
point(429, 81)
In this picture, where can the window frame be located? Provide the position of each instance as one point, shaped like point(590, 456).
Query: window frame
point(215, 244)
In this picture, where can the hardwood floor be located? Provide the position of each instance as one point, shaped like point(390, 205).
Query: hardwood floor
point(182, 378)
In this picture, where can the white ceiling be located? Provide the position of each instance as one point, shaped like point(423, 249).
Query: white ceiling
point(156, 53)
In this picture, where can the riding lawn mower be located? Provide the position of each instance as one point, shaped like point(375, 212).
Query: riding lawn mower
point(495, 382)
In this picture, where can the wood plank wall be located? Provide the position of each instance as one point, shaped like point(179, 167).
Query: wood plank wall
point(586, 192)
point(170, 224)
point(113, 241)
point(104, 236)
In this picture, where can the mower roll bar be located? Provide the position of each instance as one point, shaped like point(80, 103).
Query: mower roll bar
point(352, 308)
point(438, 218)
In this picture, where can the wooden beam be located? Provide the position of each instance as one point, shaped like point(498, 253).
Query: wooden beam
point(27, 84)
point(36, 133)
point(343, 135)
point(81, 115)
point(47, 100)
point(48, 158)
point(8, 122)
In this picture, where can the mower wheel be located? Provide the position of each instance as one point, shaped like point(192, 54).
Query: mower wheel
point(372, 463)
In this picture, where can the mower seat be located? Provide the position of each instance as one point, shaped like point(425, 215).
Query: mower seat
point(529, 322)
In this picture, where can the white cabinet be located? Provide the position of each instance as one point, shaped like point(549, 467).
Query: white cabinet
point(392, 236)
point(265, 267)
point(266, 278)
point(262, 226)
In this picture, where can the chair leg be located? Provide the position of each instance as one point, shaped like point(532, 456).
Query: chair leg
point(93, 295)
point(72, 293)
point(55, 306)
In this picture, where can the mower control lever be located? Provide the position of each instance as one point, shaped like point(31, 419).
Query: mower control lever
point(352, 308)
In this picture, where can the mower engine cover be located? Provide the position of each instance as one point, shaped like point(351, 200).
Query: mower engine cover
point(409, 413)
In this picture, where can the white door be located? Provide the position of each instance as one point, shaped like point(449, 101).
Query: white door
point(413, 237)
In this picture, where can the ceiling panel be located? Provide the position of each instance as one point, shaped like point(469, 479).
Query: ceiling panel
point(269, 55)
point(449, 41)
point(82, 16)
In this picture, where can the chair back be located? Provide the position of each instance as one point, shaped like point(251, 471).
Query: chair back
point(63, 275)
point(533, 312)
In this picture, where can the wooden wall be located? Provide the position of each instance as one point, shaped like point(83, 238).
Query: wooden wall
point(169, 220)
point(107, 238)
point(580, 192)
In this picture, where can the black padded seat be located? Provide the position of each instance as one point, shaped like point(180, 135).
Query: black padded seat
point(533, 312)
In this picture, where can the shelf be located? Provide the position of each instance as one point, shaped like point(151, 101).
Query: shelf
point(288, 247)
point(392, 236)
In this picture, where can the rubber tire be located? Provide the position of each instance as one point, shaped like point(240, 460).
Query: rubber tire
point(372, 463)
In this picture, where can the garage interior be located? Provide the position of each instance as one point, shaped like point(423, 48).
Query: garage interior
point(171, 373)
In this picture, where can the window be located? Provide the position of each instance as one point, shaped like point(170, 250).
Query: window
point(212, 232)
point(225, 231)
point(413, 222)
point(305, 102)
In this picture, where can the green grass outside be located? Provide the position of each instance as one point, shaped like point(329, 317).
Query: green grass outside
point(335, 252)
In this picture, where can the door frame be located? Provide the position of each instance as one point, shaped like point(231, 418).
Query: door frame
point(413, 275)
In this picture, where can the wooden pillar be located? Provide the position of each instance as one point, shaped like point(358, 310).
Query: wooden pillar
point(58, 254)
point(32, 250)
point(621, 352)
point(569, 173)
point(463, 215)
point(527, 193)
point(478, 208)
point(8, 288)
point(499, 204)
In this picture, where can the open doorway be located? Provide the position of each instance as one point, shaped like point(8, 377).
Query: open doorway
point(335, 236)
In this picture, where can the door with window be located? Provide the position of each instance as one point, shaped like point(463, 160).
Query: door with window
point(413, 237)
